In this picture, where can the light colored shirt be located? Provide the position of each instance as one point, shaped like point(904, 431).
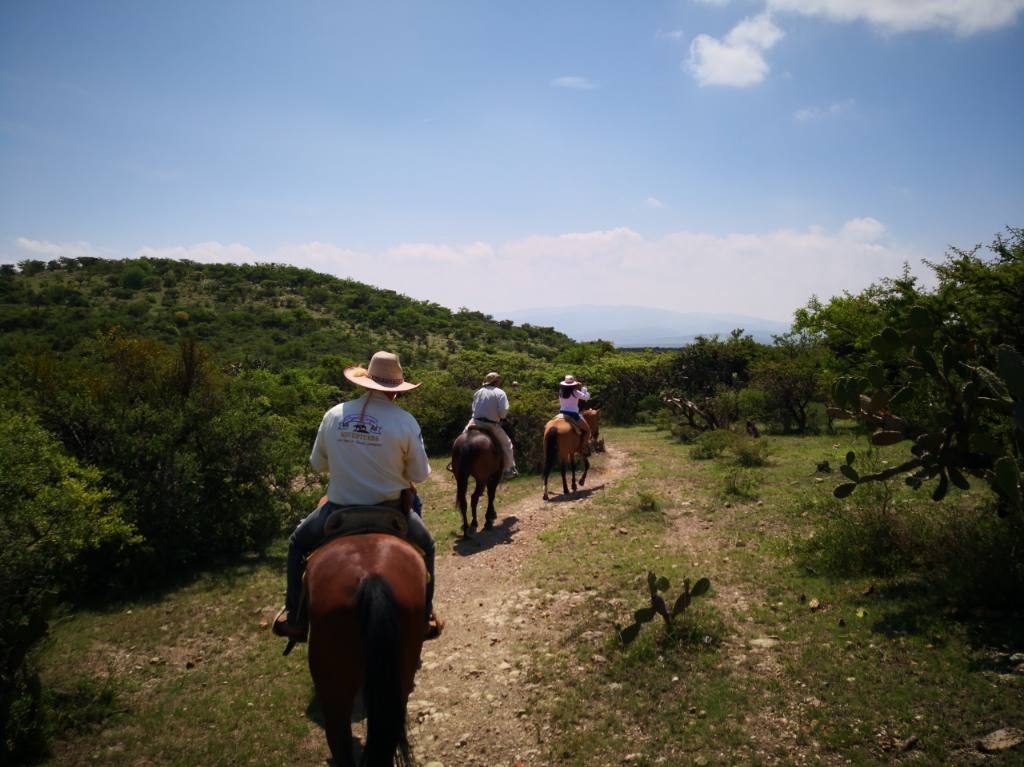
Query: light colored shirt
point(372, 449)
point(572, 403)
point(490, 402)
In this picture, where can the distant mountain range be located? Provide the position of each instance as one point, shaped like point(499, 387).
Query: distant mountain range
point(637, 326)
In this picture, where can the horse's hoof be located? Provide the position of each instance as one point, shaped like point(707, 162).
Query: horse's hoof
point(545, 496)
point(488, 525)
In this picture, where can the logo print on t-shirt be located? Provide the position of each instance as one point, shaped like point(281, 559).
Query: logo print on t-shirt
point(360, 428)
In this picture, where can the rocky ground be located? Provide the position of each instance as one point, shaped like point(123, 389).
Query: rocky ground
point(471, 703)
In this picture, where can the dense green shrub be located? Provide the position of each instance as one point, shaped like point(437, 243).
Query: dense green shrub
point(201, 462)
point(966, 554)
point(59, 526)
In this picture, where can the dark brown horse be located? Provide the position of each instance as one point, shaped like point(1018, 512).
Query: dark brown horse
point(367, 608)
point(561, 445)
point(476, 455)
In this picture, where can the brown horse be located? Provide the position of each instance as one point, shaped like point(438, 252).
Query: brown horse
point(593, 418)
point(367, 607)
point(563, 444)
point(476, 454)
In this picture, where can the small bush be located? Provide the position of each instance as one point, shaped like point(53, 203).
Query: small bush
point(711, 444)
point(647, 503)
point(684, 432)
point(966, 552)
point(741, 484)
point(750, 452)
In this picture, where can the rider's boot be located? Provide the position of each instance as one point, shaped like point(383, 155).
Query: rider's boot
point(435, 625)
point(283, 627)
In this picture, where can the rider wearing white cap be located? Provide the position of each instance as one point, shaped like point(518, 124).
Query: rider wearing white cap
point(490, 406)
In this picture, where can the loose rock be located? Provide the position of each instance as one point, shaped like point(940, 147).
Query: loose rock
point(1001, 740)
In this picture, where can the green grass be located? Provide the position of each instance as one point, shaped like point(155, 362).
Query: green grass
point(851, 679)
point(862, 662)
point(193, 675)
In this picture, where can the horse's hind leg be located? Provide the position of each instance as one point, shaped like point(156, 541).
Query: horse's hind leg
point(477, 492)
point(586, 468)
point(461, 486)
point(339, 738)
point(492, 488)
point(565, 487)
point(336, 698)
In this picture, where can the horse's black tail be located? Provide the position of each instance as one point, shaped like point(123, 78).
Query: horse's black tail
point(387, 743)
point(550, 450)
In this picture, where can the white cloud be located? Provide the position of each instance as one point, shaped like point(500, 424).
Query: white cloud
point(204, 252)
point(738, 60)
point(810, 114)
point(574, 82)
point(765, 274)
point(654, 202)
point(55, 250)
point(756, 32)
point(440, 255)
point(865, 229)
point(963, 16)
point(321, 256)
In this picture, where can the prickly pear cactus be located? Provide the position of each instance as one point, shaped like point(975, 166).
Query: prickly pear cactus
point(977, 428)
point(660, 607)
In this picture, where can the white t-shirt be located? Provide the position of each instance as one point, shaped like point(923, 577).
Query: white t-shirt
point(572, 403)
point(372, 448)
point(490, 402)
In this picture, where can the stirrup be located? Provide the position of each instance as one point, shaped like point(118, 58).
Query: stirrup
point(282, 627)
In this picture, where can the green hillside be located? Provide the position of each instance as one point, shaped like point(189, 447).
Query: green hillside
point(280, 315)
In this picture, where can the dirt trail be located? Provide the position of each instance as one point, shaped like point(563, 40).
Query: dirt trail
point(471, 703)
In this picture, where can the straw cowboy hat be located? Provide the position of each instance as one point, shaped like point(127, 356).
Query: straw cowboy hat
point(492, 378)
point(569, 381)
point(384, 373)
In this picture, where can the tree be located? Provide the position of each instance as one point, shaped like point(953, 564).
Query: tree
point(790, 379)
point(59, 525)
point(942, 376)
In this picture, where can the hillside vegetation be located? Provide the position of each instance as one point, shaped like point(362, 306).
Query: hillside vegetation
point(156, 418)
point(279, 315)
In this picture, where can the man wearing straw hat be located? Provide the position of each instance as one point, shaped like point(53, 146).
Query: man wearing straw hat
point(373, 451)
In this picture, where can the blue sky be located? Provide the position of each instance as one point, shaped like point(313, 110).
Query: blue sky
point(695, 155)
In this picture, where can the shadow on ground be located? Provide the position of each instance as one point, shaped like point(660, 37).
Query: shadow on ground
point(316, 715)
point(487, 539)
point(581, 493)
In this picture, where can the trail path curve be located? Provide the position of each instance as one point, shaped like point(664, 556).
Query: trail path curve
point(471, 706)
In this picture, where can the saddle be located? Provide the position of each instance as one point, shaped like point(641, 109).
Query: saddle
point(574, 424)
point(355, 520)
point(359, 520)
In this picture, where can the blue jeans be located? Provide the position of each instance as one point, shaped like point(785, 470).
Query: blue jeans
point(571, 414)
point(310, 533)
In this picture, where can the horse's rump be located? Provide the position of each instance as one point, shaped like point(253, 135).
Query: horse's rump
point(561, 440)
point(336, 569)
point(476, 452)
point(367, 612)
